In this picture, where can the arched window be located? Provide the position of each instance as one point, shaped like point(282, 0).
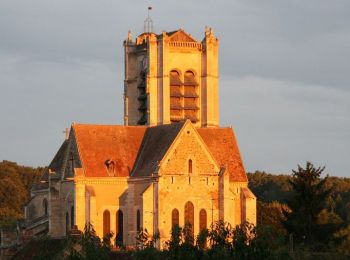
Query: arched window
point(189, 215)
point(106, 222)
point(175, 78)
point(174, 218)
point(72, 216)
point(189, 166)
point(119, 228)
point(190, 79)
point(45, 206)
point(138, 221)
point(202, 219)
point(67, 223)
point(176, 97)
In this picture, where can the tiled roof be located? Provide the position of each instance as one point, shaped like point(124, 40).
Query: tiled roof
point(137, 150)
point(155, 144)
point(248, 193)
point(55, 165)
point(99, 143)
point(223, 146)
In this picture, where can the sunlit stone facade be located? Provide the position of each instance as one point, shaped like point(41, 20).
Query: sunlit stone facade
point(169, 164)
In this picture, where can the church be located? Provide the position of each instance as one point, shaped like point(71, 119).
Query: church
point(169, 164)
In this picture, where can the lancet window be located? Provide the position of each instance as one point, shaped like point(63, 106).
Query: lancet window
point(190, 166)
point(72, 216)
point(138, 221)
point(202, 219)
point(174, 218)
point(119, 227)
point(189, 216)
point(106, 222)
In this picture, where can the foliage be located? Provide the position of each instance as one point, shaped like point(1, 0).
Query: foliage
point(274, 191)
point(271, 214)
point(344, 246)
point(89, 246)
point(145, 244)
point(270, 187)
point(309, 220)
point(275, 195)
point(15, 184)
point(42, 248)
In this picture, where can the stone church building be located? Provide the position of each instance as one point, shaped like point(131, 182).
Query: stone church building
point(169, 164)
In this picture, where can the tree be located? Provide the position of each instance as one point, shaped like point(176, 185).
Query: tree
point(308, 201)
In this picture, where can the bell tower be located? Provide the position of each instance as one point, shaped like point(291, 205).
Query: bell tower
point(171, 77)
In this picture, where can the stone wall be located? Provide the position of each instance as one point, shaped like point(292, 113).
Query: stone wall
point(94, 196)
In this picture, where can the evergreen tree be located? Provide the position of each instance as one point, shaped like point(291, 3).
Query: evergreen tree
point(308, 205)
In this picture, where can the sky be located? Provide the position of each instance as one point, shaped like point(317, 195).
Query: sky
point(284, 73)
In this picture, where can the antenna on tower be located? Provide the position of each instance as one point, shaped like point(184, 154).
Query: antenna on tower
point(148, 24)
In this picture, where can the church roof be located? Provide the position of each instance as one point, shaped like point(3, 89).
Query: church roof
point(99, 143)
point(54, 166)
point(155, 144)
point(137, 150)
point(223, 146)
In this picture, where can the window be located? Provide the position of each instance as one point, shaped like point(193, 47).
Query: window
point(191, 97)
point(189, 216)
point(190, 79)
point(119, 228)
point(176, 97)
point(110, 165)
point(174, 218)
point(45, 206)
point(106, 222)
point(202, 219)
point(189, 166)
point(72, 216)
point(67, 223)
point(138, 221)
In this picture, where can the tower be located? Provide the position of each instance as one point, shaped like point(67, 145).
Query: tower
point(171, 77)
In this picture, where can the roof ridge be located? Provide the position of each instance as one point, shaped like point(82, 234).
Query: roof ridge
point(109, 125)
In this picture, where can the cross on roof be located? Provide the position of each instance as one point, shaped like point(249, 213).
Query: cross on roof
point(66, 132)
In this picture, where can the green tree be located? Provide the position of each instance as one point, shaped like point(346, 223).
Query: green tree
point(307, 219)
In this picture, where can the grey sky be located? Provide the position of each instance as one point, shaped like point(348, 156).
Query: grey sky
point(284, 68)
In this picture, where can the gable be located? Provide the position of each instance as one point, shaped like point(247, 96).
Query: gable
point(181, 36)
point(155, 144)
point(188, 145)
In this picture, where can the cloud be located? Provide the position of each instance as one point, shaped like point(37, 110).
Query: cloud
point(280, 124)
point(284, 73)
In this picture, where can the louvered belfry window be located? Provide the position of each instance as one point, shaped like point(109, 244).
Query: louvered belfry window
point(176, 97)
point(190, 97)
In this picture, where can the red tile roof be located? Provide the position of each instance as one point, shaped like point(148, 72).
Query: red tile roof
point(137, 149)
point(98, 143)
point(223, 146)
